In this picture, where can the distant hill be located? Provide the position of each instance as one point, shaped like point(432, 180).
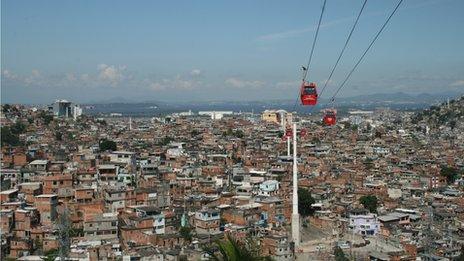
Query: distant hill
point(448, 114)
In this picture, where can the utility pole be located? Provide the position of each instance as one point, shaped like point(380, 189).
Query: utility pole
point(295, 215)
point(288, 146)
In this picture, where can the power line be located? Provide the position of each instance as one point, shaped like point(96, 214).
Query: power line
point(365, 52)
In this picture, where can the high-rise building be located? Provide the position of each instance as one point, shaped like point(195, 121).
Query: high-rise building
point(66, 109)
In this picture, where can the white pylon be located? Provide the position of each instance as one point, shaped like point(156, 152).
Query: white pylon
point(288, 146)
point(295, 215)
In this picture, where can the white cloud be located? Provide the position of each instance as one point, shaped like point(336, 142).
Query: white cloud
point(458, 83)
point(9, 75)
point(35, 73)
point(176, 83)
point(195, 72)
point(290, 85)
point(238, 83)
point(111, 74)
point(70, 77)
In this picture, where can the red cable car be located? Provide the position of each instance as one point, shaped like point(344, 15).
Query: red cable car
point(288, 134)
point(330, 117)
point(308, 93)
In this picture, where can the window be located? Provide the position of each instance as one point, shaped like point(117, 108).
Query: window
point(113, 223)
point(309, 91)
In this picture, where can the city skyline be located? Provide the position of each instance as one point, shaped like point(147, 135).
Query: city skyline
point(185, 51)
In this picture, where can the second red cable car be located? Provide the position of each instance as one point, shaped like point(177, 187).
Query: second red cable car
point(330, 117)
point(308, 93)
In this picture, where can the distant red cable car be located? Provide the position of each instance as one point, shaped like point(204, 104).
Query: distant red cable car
point(308, 93)
point(287, 135)
point(330, 117)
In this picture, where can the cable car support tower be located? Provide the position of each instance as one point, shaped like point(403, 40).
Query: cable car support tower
point(295, 215)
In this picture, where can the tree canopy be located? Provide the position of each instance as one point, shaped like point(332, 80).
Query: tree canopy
point(339, 254)
point(106, 144)
point(8, 137)
point(450, 173)
point(230, 249)
point(370, 202)
point(305, 200)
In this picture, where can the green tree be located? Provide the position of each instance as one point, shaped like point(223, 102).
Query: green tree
point(165, 141)
point(239, 134)
point(194, 133)
point(47, 118)
point(106, 144)
point(339, 254)
point(6, 108)
point(461, 256)
point(63, 226)
point(58, 136)
point(186, 233)
point(51, 255)
point(18, 128)
point(370, 202)
point(305, 200)
point(231, 249)
point(450, 173)
point(8, 137)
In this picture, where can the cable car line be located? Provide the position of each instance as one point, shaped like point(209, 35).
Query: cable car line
point(343, 49)
point(306, 69)
point(365, 52)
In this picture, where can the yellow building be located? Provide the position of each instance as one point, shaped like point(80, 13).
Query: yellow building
point(270, 116)
point(281, 117)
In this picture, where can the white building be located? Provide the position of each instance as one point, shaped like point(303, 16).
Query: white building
point(65, 109)
point(215, 115)
point(126, 157)
point(364, 224)
point(159, 224)
point(268, 188)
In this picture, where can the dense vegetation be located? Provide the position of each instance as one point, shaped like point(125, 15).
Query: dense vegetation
point(340, 255)
point(305, 200)
point(450, 173)
point(108, 145)
point(10, 135)
point(370, 202)
point(441, 115)
point(230, 249)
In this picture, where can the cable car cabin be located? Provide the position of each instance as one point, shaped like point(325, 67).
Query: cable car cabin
point(330, 117)
point(288, 133)
point(308, 93)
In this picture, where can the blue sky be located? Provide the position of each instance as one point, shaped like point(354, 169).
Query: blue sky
point(222, 50)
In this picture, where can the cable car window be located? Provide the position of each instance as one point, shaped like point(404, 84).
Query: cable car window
point(309, 91)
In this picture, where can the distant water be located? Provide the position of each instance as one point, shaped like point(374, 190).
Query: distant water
point(155, 109)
